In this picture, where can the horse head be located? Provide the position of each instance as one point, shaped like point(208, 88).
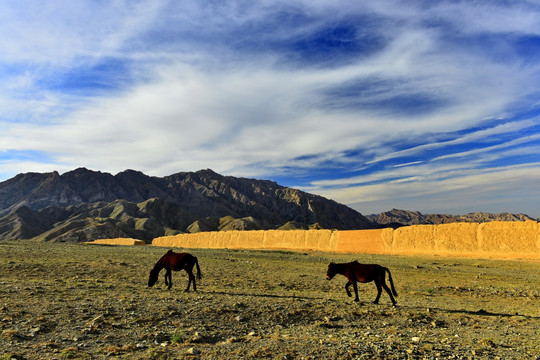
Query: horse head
point(153, 276)
point(331, 271)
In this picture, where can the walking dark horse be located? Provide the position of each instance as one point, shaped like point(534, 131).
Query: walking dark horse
point(177, 262)
point(364, 273)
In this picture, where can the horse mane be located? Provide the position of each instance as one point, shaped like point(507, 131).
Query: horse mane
point(162, 260)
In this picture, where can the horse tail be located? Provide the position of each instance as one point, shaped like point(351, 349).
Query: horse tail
point(199, 273)
point(391, 282)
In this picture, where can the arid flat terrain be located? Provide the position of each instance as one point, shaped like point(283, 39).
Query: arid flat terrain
point(68, 301)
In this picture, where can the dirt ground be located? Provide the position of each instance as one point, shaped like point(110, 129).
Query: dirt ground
point(69, 301)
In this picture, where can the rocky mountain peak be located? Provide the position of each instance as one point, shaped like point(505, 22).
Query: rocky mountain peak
point(96, 204)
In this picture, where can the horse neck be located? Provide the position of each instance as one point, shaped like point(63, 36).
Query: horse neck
point(160, 264)
point(340, 268)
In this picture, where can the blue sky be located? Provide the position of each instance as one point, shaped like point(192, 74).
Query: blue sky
point(423, 105)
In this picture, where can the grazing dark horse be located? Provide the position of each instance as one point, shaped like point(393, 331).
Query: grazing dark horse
point(364, 273)
point(177, 262)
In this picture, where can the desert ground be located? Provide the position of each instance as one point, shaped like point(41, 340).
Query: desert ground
point(74, 301)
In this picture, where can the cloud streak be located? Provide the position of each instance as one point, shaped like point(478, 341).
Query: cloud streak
point(352, 101)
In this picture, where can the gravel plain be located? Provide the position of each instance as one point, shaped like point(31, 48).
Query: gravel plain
point(74, 301)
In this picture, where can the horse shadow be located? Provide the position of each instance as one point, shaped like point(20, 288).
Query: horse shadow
point(480, 312)
point(263, 295)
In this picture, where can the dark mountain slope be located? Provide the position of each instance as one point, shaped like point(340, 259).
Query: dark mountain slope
point(206, 192)
point(83, 205)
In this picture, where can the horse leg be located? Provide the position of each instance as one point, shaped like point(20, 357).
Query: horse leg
point(169, 274)
point(347, 288)
point(379, 291)
point(194, 282)
point(388, 291)
point(191, 275)
point(355, 287)
point(191, 278)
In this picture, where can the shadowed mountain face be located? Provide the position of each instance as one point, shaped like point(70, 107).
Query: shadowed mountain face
point(84, 205)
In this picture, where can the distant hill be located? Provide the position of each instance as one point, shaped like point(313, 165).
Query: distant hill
point(85, 205)
point(396, 218)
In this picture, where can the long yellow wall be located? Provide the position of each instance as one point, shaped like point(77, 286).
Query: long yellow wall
point(116, 241)
point(494, 239)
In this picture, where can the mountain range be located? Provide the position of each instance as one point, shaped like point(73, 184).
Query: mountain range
point(396, 218)
point(85, 205)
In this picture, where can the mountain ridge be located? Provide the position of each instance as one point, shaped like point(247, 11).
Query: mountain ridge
point(84, 205)
point(397, 217)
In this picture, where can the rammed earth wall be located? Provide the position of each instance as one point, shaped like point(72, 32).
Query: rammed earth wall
point(117, 241)
point(493, 239)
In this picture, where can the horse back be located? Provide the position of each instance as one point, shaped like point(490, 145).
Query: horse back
point(365, 272)
point(178, 261)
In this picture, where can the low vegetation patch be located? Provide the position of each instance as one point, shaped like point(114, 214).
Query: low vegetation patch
point(69, 301)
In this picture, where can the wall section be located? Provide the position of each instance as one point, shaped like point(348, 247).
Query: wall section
point(360, 241)
point(494, 239)
point(519, 238)
point(117, 241)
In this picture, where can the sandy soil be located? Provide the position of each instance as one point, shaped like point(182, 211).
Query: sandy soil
point(66, 301)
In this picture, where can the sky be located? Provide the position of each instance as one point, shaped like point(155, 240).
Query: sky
point(431, 106)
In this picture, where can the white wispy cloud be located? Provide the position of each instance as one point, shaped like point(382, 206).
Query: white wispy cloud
point(476, 136)
point(269, 89)
point(509, 188)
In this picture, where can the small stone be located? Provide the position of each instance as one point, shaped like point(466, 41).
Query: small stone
point(34, 331)
point(192, 351)
point(196, 337)
point(97, 320)
point(415, 339)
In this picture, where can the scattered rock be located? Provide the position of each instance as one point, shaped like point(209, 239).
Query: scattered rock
point(196, 338)
point(233, 339)
point(34, 331)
